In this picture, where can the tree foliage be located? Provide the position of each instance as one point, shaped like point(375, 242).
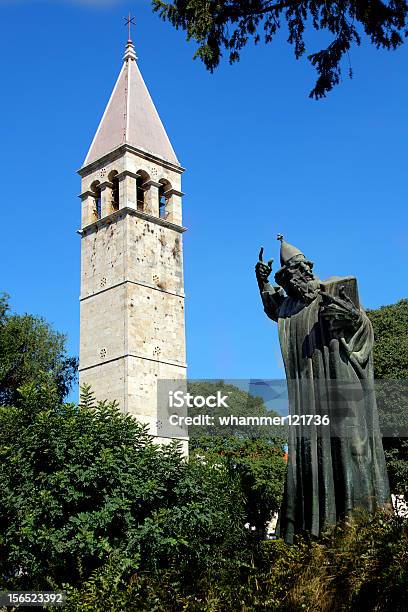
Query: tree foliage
point(217, 25)
point(260, 467)
point(253, 453)
point(390, 325)
point(361, 564)
point(79, 484)
point(29, 349)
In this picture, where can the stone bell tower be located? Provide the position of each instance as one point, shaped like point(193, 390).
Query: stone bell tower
point(132, 291)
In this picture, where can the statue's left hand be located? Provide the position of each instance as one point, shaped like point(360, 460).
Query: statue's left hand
point(340, 311)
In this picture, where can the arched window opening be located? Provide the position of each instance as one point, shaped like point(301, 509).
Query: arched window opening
point(163, 199)
point(96, 190)
point(141, 179)
point(113, 178)
point(162, 203)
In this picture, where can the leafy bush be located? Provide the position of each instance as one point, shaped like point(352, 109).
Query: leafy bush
point(362, 564)
point(76, 483)
point(254, 454)
point(260, 467)
point(80, 484)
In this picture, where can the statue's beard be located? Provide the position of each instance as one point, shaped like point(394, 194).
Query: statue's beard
point(303, 287)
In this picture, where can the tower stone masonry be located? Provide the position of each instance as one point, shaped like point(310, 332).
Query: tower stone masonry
point(132, 290)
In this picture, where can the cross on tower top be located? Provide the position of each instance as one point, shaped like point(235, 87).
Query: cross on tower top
point(130, 50)
point(129, 21)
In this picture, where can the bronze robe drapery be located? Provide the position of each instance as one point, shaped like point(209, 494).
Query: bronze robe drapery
point(331, 468)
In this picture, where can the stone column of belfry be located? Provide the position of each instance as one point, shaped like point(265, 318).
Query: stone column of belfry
point(132, 290)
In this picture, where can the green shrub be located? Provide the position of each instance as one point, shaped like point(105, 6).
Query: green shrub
point(260, 467)
point(80, 484)
point(76, 484)
point(362, 564)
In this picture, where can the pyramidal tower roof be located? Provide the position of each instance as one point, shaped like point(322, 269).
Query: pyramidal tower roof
point(131, 117)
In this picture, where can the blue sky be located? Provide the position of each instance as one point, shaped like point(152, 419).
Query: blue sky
point(262, 158)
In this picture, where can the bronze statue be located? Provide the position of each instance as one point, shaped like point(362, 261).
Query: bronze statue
point(335, 464)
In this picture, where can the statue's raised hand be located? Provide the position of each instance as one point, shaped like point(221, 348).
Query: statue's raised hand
point(262, 269)
point(340, 312)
